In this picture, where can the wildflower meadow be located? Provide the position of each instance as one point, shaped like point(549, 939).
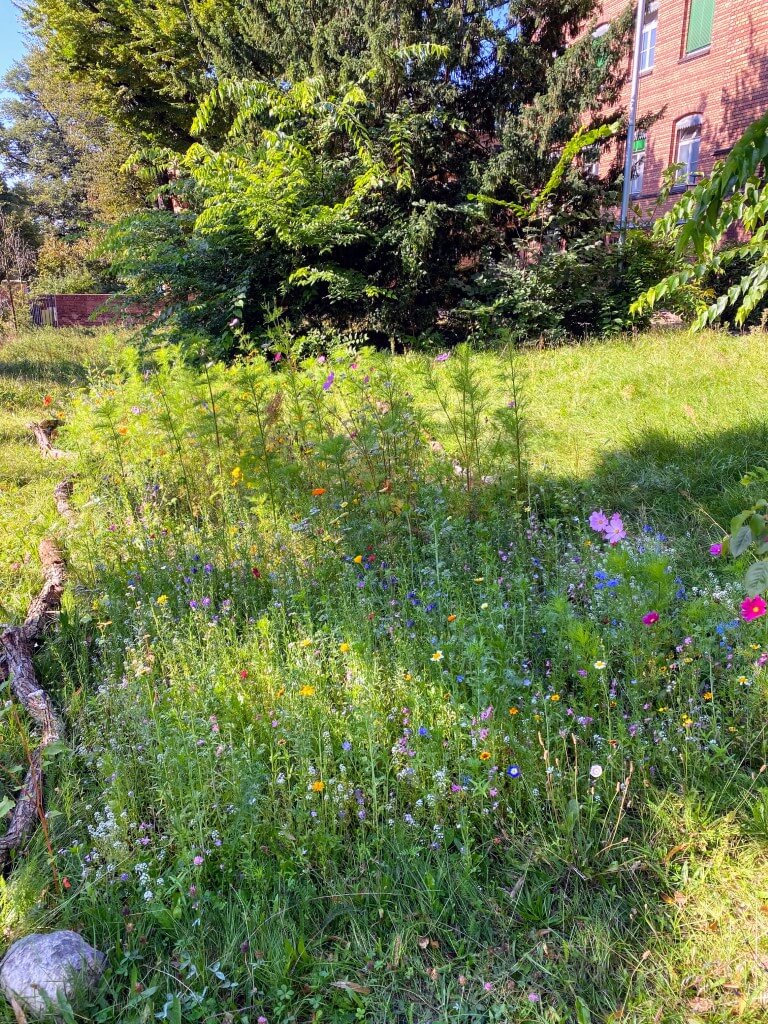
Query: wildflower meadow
point(381, 709)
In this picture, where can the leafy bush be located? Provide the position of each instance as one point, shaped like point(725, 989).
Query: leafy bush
point(583, 288)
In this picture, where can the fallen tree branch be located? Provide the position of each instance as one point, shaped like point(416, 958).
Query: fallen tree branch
point(16, 648)
point(38, 705)
point(44, 432)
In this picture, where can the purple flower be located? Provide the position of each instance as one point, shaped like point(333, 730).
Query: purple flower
point(442, 357)
point(615, 531)
point(715, 550)
point(328, 382)
point(599, 521)
point(197, 861)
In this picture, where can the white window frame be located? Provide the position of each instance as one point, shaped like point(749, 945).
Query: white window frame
point(688, 149)
point(638, 168)
point(648, 38)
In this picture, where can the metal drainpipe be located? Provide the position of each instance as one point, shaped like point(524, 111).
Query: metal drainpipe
point(633, 94)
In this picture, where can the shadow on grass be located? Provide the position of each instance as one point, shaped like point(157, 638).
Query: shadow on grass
point(671, 481)
point(63, 370)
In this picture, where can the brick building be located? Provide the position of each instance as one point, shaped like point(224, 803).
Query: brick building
point(704, 69)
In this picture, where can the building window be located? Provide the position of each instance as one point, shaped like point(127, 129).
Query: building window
point(590, 161)
point(648, 40)
point(701, 15)
point(687, 149)
point(638, 166)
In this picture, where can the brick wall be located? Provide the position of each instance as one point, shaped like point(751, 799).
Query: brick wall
point(89, 310)
point(727, 84)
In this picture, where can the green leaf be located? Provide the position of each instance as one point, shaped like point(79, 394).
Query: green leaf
point(741, 541)
point(756, 577)
point(6, 805)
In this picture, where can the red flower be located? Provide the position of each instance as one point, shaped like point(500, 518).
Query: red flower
point(753, 608)
point(243, 673)
point(255, 573)
point(48, 400)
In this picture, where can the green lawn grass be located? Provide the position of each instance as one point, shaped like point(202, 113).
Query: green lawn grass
point(351, 741)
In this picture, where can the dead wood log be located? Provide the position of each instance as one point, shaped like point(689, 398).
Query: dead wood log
point(44, 432)
point(16, 646)
point(38, 705)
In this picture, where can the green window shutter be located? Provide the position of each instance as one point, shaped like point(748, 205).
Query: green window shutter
point(700, 19)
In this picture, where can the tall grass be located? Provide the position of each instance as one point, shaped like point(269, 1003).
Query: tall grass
point(366, 721)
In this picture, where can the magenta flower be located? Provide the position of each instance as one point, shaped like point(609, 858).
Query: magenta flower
point(753, 608)
point(278, 356)
point(650, 618)
point(715, 550)
point(599, 521)
point(615, 531)
point(442, 357)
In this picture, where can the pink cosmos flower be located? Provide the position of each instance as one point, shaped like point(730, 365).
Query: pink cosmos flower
point(615, 531)
point(753, 608)
point(197, 861)
point(650, 618)
point(715, 550)
point(599, 521)
point(442, 357)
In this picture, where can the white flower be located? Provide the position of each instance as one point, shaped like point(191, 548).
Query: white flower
point(596, 771)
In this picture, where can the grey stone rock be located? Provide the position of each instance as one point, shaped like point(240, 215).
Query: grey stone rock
point(39, 967)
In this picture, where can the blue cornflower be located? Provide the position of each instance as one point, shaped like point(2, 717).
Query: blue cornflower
point(423, 730)
point(513, 771)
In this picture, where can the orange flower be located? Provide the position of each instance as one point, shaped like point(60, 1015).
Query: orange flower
point(48, 400)
point(317, 491)
point(514, 711)
point(485, 755)
point(451, 618)
point(357, 559)
point(318, 787)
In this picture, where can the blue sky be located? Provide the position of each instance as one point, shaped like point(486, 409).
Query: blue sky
point(11, 40)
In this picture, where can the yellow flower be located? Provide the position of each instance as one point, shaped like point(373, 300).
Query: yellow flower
point(479, 579)
point(707, 695)
point(514, 711)
point(344, 648)
point(318, 786)
point(357, 559)
point(407, 677)
point(742, 680)
point(484, 605)
point(237, 474)
point(307, 691)
point(306, 642)
point(485, 755)
point(555, 698)
point(163, 599)
point(687, 721)
point(600, 665)
point(437, 656)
